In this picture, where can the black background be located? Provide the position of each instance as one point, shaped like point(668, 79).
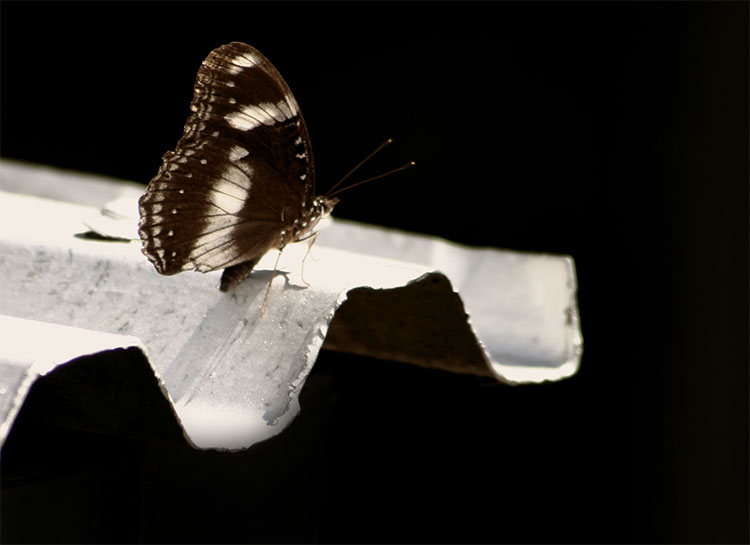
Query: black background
point(615, 133)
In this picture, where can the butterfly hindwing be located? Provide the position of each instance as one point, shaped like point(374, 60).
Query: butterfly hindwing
point(207, 218)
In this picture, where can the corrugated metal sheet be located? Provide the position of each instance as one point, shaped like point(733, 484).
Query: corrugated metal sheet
point(231, 376)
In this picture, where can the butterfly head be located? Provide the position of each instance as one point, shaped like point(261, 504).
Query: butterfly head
point(304, 226)
point(324, 205)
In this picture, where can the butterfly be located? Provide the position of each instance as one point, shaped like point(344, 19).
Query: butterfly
point(241, 180)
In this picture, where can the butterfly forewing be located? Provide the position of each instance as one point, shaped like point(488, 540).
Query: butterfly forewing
point(241, 172)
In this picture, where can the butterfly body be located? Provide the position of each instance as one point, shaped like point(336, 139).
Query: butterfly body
point(240, 181)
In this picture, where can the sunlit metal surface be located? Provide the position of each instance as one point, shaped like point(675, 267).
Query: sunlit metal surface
point(232, 376)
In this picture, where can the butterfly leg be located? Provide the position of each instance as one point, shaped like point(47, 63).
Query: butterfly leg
point(311, 240)
point(268, 289)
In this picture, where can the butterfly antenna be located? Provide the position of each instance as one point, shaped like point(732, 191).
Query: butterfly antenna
point(333, 190)
point(399, 169)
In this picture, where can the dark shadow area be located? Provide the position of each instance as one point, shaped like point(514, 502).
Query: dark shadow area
point(92, 235)
point(95, 457)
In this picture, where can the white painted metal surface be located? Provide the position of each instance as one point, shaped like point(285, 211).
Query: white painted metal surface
point(232, 376)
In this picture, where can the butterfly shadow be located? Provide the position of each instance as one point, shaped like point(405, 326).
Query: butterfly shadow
point(257, 284)
point(268, 275)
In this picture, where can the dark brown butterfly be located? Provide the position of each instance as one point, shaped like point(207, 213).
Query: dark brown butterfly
point(241, 180)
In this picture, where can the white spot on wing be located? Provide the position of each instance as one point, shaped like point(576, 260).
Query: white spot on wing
point(246, 60)
point(243, 61)
point(287, 106)
point(265, 113)
point(242, 122)
point(230, 191)
point(237, 153)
